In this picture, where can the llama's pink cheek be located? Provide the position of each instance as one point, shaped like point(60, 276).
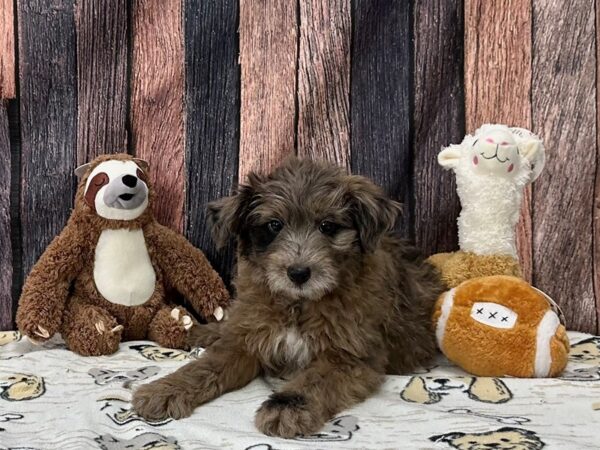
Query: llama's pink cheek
point(475, 160)
point(510, 168)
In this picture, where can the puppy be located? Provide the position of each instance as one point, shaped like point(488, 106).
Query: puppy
point(327, 297)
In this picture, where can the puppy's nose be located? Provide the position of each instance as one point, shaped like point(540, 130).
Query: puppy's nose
point(298, 275)
point(129, 181)
point(442, 380)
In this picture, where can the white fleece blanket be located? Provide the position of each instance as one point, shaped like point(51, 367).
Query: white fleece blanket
point(51, 398)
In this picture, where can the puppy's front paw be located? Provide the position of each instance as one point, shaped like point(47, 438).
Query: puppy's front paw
point(287, 414)
point(161, 399)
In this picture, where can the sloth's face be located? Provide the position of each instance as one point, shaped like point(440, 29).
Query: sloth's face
point(117, 190)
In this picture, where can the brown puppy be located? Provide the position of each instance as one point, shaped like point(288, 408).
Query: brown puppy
point(326, 297)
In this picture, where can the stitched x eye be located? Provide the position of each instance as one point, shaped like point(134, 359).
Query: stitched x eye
point(329, 228)
point(275, 226)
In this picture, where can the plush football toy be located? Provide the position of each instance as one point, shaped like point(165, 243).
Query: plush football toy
point(105, 278)
point(492, 168)
point(491, 322)
point(501, 326)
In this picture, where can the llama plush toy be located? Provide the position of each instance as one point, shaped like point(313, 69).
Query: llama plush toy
point(491, 322)
point(492, 168)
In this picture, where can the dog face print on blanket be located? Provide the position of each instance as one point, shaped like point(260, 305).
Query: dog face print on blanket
point(21, 386)
point(429, 390)
point(506, 438)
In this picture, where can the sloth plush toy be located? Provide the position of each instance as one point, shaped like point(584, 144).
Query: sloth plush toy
point(104, 279)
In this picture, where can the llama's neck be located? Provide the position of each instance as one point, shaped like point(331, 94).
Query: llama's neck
point(490, 211)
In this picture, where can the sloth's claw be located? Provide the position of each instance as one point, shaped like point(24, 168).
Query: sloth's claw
point(100, 327)
point(218, 313)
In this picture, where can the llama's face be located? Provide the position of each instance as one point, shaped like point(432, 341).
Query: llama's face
point(495, 153)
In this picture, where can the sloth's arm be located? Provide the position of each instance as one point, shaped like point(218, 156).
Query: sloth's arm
point(46, 289)
point(188, 271)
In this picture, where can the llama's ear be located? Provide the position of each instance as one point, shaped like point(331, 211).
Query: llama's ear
point(448, 158)
point(533, 150)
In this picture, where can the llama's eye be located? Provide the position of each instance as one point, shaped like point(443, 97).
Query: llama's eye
point(328, 228)
point(275, 226)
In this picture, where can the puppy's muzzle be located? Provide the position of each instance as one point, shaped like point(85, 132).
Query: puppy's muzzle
point(299, 275)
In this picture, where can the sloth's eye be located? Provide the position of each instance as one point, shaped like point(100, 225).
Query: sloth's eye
point(275, 226)
point(329, 228)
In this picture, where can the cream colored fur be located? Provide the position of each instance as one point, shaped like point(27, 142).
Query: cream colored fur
point(492, 168)
point(123, 272)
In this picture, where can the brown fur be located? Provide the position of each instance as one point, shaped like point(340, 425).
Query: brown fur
point(60, 293)
point(462, 266)
point(365, 311)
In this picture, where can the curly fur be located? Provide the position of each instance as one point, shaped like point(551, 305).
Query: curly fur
point(365, 310)
point(462, 266)
point(60, 294)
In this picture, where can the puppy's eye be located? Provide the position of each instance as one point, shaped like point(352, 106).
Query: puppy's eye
point(275, 226)
point(328, 228)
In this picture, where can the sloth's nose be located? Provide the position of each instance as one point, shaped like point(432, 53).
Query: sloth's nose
point(129, 181)
point(298, 275)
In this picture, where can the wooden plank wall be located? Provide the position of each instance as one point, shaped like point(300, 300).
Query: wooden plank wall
point(207, 91)
point(212, 99)
point(157, 81)
point(564, 113)
point(7, 91)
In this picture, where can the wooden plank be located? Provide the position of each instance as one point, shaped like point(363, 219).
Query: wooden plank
point(439, 119)
point(8, 86)
point(324, 80)
point(102, 50)
point(596, 211)
point(212, 99)
point(268, 57)
point(6, 269)
point(157, 102)
point(564, 114)
point(14, 130)
point(380, 91)
point(48, 98)
point(498, 82)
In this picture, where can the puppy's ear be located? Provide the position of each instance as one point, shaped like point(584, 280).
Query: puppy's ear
point(373, 213)
point(227, 216)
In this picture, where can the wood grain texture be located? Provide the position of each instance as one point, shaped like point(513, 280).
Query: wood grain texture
point(102, 50)
point(596, 211)
point(8, 86)
point(212, 98)
point(48, 99)
point(498, 82)
point(381, 83)
point(14, 130)
point(6, 269)
point(439, 120)
point(157, 121)
point(564, 114)
point(324, 80)
point(268, 58)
